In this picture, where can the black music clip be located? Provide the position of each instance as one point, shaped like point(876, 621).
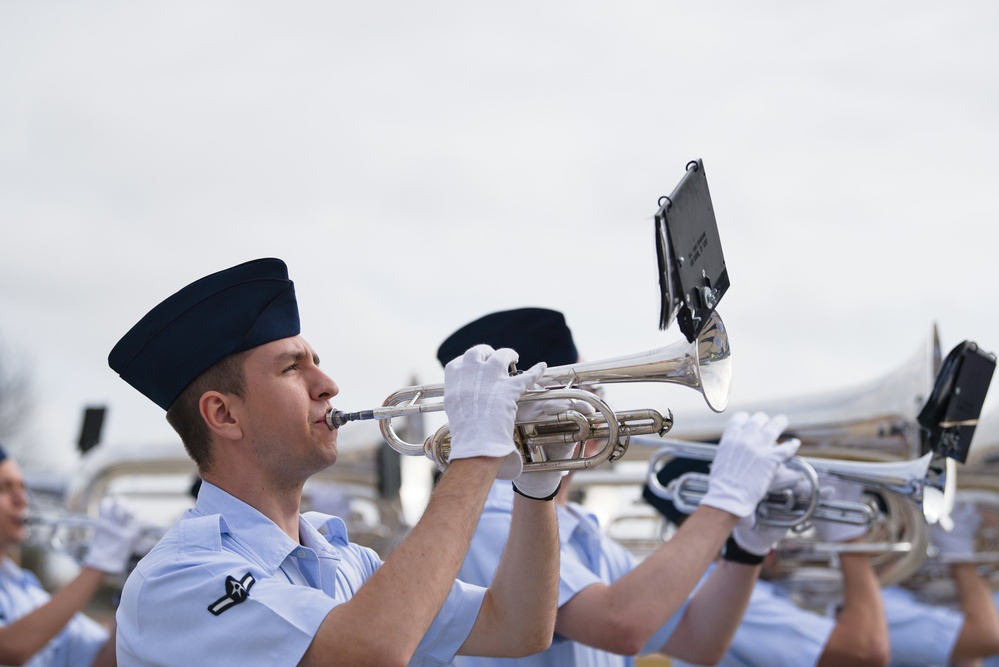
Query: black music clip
point(692, 273)
point(950, 415)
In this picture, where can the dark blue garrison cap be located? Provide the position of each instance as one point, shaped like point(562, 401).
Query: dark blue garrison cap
point(227, 312)
point(537, 334)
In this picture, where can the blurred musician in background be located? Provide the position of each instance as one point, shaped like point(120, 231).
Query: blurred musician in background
point(610, 607)
point(45, 630)
point(924, 635)
point(776, 632)
point(244, 578)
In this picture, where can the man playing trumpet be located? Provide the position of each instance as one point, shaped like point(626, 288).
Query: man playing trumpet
point(50, 630)
point(610, 607)
point(244, 578)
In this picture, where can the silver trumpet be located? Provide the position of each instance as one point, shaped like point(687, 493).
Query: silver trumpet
point(704, 365)
point(796, 510)
point(70, 533)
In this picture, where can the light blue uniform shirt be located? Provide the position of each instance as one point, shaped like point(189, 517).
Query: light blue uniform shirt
point(775, 632)
point(225, 586)
point(76, 645)
point(921, 635)
point(587, 557)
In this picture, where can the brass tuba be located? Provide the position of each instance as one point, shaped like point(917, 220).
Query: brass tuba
point(704, 365)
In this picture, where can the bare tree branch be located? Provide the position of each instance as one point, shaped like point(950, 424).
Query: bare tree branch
point(15, 395)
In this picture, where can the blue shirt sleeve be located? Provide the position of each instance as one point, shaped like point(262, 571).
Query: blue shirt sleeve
point(920, 634)
point(776, 633)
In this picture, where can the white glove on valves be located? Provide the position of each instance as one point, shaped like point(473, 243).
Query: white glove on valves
point(834, 531)
point(759, 538)
point(114, 536)
point(542, 485)
point(748, 458)
point(480, 400)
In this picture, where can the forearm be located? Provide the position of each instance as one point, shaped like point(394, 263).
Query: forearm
point(714, 614)
point(980, 633)
point(621, 617)
point(107, 657)
point(518, 614)
point(386, 619)
point(860, 636)
point(29, 634)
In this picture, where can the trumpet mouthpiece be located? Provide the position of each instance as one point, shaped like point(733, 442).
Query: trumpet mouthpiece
point(337, 418)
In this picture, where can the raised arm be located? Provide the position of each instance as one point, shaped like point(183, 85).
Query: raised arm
point(980, 633)
point(860, 636)
point(624, 616)
point(26, 636)
point(979, 636)
point(517, 617)
point(386, 619)
point(714, 614)
point(107, 553)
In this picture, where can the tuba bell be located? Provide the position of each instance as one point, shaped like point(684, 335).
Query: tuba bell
point(704, 365)
point(877, 417)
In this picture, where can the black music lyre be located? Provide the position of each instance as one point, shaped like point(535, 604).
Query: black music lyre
point(950, 415)
point(692, 273)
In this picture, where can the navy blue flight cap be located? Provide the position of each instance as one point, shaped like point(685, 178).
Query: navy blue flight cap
point(221, 314)
point(537, 334)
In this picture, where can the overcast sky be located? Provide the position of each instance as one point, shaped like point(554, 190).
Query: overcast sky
point(419, 164)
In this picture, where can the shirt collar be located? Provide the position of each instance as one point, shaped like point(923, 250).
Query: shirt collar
point(238, 520)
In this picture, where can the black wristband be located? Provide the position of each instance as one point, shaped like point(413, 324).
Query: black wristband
point(551, 497)
point(733, 552)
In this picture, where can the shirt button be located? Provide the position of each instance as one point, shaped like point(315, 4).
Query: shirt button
point(300, 553)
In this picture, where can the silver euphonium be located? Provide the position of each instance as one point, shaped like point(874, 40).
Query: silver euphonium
point(867, 434)
point(704, 365)
point(789, 508)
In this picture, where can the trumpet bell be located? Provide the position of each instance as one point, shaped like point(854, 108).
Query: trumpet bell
point(705, 366)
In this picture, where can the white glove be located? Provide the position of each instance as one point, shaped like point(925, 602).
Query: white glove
point(748, 458)
point(959, 543)
point(480, 399)
point(759, 538)
point(833, 531)
point(114, 536)
point(542, 484)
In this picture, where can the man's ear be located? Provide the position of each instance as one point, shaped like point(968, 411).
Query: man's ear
point(216, 410)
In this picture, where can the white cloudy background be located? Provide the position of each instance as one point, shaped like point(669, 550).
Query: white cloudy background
point(419, 164)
